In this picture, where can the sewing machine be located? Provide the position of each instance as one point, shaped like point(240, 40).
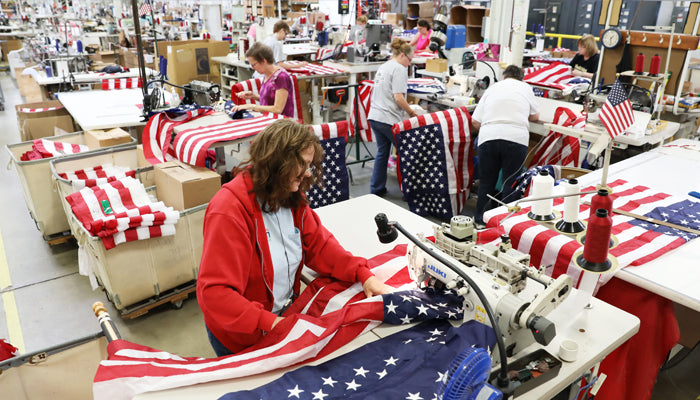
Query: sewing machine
point(501, 273)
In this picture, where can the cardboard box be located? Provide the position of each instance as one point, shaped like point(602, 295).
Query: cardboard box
point(436, 65)
point(28, 87)
point(190, 60)
point(420, 9)
point(393, 18)
point(35, 123)
point(101, 138)
point(183, 186)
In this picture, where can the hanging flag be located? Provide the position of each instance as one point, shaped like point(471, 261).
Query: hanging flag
point(435, 163)
point(365, 93)
point(157, 135)
point(616, 114)
point(145, 8)
point(336, 181)
point(327, 315)
point(557, 148)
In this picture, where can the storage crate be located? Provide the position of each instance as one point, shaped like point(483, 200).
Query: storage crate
point(142, 271)
point(39, 193)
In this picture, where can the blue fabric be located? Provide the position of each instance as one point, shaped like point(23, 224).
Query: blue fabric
point(385, 139)
point(496, 156)
point(685, 213)
point(336, 181)
point(409, 364)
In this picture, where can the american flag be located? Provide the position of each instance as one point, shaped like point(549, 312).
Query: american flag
point(411, 364)
point(297, 68)
point(365, 94)
point(327, 315)
point(639, 241)
point(559, 149)
point(94, 176)
point(191, 145)
point(555, 75)
point(425, 54)
point(336, 181)
point(49, 148)
point(522, 182)
point(435, 163)
point(145, 8)
point(425, 85)
point(616, 114)
point(254, 86)
point(121, 211)
point(157, 135)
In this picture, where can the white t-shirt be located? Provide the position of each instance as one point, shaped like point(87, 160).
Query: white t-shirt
point(503, 112)
point(277, 53)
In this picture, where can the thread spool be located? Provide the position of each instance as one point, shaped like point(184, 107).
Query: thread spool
point(601, 200)
point(542, 186)
point(570, 222)
point(654, 66)
point(639, 66)
point(595, 250)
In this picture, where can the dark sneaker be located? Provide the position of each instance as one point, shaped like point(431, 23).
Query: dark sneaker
point(381, 192)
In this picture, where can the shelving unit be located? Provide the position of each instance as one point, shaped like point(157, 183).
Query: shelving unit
point(471, 17)
point(232, 72)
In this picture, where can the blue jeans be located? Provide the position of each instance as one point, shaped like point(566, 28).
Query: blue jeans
point(384, 137)
point(218, 347)
point(496, 156)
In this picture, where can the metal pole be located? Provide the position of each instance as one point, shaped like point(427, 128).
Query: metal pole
point(139, 47)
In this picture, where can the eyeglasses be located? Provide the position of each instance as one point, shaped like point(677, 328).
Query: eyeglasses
point(308, 171)
point(253, 65)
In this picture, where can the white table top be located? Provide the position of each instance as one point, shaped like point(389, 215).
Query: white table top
point(674, 275)
point(605, 327)
point(89, 77)
point(104, 109)
point(354, 68)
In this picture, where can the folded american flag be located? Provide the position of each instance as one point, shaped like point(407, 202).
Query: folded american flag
point(121, 211)
point(639, 241)
point(425, 85)
point(94, 176)
point(157, 135)
point(555, 75)
point(425, 54)
point(326, 316)
point(435, 162)
point(557, 148)
point(336, 180)
point(365, 94)
point(311, 69)
point(49, 148)
point(191, 145)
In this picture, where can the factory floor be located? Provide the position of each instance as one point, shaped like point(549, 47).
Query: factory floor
point(45, 302)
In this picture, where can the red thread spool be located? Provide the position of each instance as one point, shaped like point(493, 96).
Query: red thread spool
point(639, 66)
point(601, 200)
point(595, 250)
point(655, 64)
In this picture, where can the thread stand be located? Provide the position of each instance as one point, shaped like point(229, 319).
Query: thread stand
point(610, 263)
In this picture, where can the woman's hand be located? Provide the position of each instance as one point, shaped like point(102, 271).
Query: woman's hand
point(244, 107)
point(246, 95)
point(374, 287)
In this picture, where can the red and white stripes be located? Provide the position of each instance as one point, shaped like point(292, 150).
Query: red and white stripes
point(121, 83)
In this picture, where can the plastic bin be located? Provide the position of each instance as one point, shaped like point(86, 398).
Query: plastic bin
point(39, 193)
point(456, 36)
point(135, 274)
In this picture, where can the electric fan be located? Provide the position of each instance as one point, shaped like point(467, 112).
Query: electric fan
point(467, 376)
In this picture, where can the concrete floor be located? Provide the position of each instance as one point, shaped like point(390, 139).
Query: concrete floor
point(44, 301)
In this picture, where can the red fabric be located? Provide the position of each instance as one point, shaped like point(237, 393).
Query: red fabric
point(7, 350)
point(632, 368)
point(236, 268)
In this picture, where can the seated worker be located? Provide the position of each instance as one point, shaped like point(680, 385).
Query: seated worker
point(503, 136)
point(258, 233)
point(280, 31)
point(275, 92)
point(360, 25)
point(422, 39)
point(585, 62)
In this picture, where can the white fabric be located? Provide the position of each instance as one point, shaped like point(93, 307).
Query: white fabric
point(503, 112)
point(284, 241)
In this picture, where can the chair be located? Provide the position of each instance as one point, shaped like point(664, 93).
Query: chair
point(254, 86)
point(336, 180)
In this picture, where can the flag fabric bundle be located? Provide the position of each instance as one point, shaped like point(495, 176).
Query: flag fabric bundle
point(435, 161)
point(121, 83)
point(254, 86)
point(322, 53)
point(410, 364)
point(191, 145)
point(310, 69)
point(145, 8)
point(94, 176)
point(326, 316)
point(425, 85)
point(555, 75)
point(157, 135)
point(616, 114)
point(121, 211)
point(336, 181)
point(365, 94)
point(42, 148)
point(559, 149)
point(639, 241)
point(522, 182)
point(425, 54)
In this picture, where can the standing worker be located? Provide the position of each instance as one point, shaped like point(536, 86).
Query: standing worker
point(275, 42)
point(389, 106)
point(258, 233)
point(502, 121)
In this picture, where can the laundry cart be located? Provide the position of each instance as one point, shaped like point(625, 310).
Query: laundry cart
point(137, 275)
point(38, 188)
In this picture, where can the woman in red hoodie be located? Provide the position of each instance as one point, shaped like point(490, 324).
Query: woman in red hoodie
point(258, 233)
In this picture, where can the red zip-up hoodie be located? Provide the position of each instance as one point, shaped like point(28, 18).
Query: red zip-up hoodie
point(236, 275)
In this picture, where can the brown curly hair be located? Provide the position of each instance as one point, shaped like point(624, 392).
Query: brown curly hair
point(275, 160)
